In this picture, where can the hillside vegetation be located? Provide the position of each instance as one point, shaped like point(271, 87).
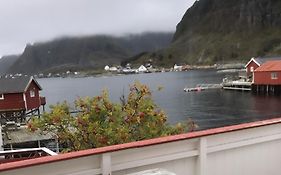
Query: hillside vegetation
point(214, 31)
point(92, 52)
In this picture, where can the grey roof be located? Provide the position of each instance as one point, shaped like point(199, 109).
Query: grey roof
point(23, 135)
point(262, 60)
point(15, 85)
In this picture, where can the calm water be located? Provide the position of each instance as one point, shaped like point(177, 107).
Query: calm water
point(211, 108)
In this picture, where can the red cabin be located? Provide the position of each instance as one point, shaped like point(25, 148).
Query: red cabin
point(254, 63)
point(19, 95)
point(268, 74)
point(267, 78)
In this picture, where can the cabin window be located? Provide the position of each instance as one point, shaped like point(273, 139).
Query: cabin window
point(32, 93)
point(274, 75)
point(252, 69)
point(1, 96)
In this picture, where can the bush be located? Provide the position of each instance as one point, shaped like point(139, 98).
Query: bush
point(101, 122)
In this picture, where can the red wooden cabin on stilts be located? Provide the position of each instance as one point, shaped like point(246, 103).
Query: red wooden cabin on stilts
point(18, 98)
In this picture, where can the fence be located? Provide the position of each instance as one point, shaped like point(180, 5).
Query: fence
point(252, 149)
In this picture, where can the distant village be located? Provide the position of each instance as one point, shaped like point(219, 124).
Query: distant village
point(147, 68)
point(113, 70)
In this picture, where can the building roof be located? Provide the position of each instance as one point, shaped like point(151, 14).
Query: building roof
point(261, 60)
point(269, 66)
point(22, 135)
point(252, 60)
point(16, 85)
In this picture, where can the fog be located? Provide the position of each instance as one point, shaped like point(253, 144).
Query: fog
point(31, 21)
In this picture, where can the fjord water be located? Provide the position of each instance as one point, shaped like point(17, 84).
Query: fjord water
point(208, 109)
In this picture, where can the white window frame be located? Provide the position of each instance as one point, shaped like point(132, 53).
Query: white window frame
point(274, 75)
point(251, 69)
point(1, 96)
point(32, 93)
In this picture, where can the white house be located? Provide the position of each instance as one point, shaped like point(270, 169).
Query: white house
point(113, 69)
point(106, 68)
point(177, 68)
point(142, 68)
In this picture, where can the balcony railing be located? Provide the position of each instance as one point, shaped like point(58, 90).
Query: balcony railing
point(24, 154)
point(252, 149)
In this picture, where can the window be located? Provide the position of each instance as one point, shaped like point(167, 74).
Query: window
point(1, 96)
point(274, 75)
point(252, 69)
point(32, 93)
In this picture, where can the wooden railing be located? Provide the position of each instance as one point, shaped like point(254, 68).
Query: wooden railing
point(252, 149)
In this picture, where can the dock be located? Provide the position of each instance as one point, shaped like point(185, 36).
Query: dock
point(229, 85)
point(202, 87)
point(237, 85)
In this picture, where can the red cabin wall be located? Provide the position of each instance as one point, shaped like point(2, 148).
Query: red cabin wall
point(12, 101)
point(248, 68)
point(264, 78)
point(32, 102)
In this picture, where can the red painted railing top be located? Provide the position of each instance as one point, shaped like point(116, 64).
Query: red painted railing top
point(161, 140)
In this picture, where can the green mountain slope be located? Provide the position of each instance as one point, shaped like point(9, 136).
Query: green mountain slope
point(224, 30)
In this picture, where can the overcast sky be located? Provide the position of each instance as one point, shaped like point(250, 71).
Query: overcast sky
point(28, 21)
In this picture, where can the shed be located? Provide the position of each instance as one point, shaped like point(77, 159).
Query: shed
point(19, 96)
point(254, 63)
point(268, 74)
point(267, 77)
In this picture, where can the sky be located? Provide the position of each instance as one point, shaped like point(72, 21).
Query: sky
point(29, 21)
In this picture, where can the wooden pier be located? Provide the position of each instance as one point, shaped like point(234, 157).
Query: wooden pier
point(229, 85)
point(237, 85)
point(266, 89)
point(202, 87)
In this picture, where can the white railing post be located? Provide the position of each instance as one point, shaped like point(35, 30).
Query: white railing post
point(106, 164)
point(202, 157)
point(1, 139)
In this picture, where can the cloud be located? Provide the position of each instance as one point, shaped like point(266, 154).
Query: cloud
point(38, 20)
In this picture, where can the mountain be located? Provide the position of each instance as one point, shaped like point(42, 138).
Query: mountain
point(6, 62)
point(224, 31)
point(91, 52)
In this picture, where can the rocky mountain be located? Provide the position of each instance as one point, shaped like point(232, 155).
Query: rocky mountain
point(225, 30)
point(6, 62)
point(92, 52)
point(211, 31)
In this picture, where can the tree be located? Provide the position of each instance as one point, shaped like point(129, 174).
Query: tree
point(101, 122)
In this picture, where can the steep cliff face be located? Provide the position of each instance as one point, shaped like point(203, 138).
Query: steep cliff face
point(226, 30)
point(220, 16)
